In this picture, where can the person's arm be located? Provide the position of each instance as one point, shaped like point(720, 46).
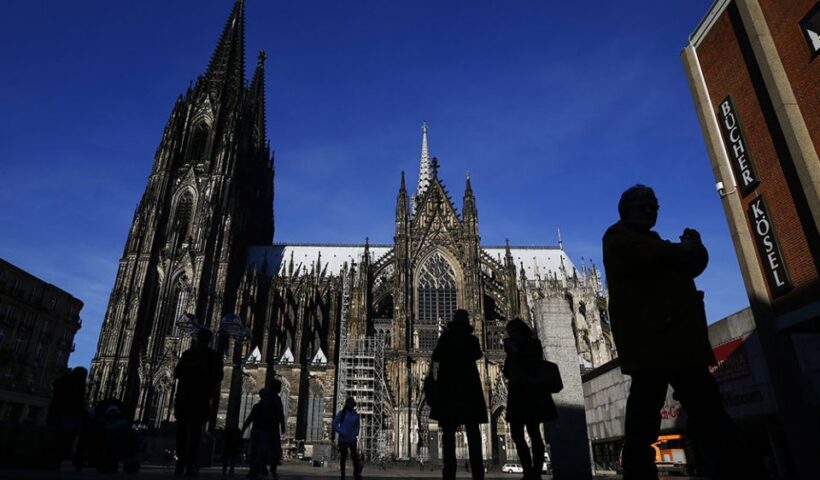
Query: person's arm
point(475, 348)
point(336, 421)
point(637, 254)
point(280, 411)
point(179, 369)
point(356, 422)
point(254, 413)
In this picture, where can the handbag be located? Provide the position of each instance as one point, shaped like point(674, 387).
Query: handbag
point(548, 374)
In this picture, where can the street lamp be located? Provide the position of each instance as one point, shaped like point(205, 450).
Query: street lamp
point(232, 326)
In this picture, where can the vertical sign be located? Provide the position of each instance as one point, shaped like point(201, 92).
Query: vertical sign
point(736, 146)
point(768, 249)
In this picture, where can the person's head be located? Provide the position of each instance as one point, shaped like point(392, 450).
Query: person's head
point(265, 393)
point(350, 403)
point(79, 373)
point(639, 207)
point(204, 337)
point(276, 386)
point(518, 328)
point(460, 322)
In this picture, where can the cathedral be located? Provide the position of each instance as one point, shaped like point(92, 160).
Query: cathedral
point(328, 320)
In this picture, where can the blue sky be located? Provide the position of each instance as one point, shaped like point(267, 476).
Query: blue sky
point(553, 107)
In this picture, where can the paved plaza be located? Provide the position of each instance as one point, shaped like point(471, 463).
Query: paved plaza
point(289, 471)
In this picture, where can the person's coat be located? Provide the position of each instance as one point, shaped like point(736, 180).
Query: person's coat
point(528, 399)
point(656, 312)
point(459, 396)
point(198, 374)
point(346, 424)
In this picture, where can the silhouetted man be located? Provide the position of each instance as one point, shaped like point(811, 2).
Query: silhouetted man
point(458, 398)
point(659, 326)
point(198, 374)
point(67, 414)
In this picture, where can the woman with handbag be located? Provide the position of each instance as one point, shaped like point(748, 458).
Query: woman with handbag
point(346, 425)
point(529, 403)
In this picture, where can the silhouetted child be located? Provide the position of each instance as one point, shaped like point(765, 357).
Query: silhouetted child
point(232, 443)
point(268, 421)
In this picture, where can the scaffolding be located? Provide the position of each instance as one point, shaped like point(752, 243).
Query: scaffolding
point(361, 376)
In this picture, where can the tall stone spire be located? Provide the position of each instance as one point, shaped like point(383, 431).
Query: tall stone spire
point(227, 66)
point(424, 167)
point(257, 94)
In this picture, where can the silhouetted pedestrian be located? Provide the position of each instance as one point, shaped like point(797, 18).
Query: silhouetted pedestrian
point(268, 421)
point(231, 447)
point(659, 327)
point(198, 374)
point(456, 397)
point(346, 424)
point(68, 414)
point(529, 403)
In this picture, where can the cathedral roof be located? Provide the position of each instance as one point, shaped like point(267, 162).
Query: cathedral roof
point(537, 260)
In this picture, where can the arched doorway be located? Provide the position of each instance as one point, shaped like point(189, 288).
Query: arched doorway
point(500, 436)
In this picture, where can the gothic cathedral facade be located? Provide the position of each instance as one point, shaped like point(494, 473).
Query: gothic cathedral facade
point(328, 320)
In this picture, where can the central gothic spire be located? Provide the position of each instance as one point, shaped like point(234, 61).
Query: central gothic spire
point(424, 168)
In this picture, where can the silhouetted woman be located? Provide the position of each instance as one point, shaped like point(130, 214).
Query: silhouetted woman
point(529, 403)
point(346, 425)
point(459, 399)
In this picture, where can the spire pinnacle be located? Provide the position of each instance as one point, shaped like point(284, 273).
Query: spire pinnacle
point(257, 95)
point(227, 65)
point(424, 168)
point(560, 242)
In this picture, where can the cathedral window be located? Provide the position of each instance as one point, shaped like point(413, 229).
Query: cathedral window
point(199, 141)
point(436, 299)
point(179, 299)
point(316, 407)
point(182, 216)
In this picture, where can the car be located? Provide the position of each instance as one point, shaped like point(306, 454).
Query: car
point(512, 468)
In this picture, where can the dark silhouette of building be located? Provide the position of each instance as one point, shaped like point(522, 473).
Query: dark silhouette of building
point(208, 197)
point(38, 322)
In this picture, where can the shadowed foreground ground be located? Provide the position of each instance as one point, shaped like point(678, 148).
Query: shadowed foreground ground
point(294, 471)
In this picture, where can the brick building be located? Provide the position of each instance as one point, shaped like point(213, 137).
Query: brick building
point(754, 75)
point(38, 322)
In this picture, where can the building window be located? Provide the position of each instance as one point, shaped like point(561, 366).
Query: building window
point(316, 408)
point(199, 141)
point(182, 215)
point(436, 299)
point(18, 345)
point(811, 29)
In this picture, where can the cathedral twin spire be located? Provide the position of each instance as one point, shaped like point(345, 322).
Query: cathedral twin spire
point(226, 70)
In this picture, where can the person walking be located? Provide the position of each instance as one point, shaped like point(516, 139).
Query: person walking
point(529, 403)
point(268, 421)
point(346, 425)
point(455, 395)
point(68, 415)
point(199, 375)
point(659, 327)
